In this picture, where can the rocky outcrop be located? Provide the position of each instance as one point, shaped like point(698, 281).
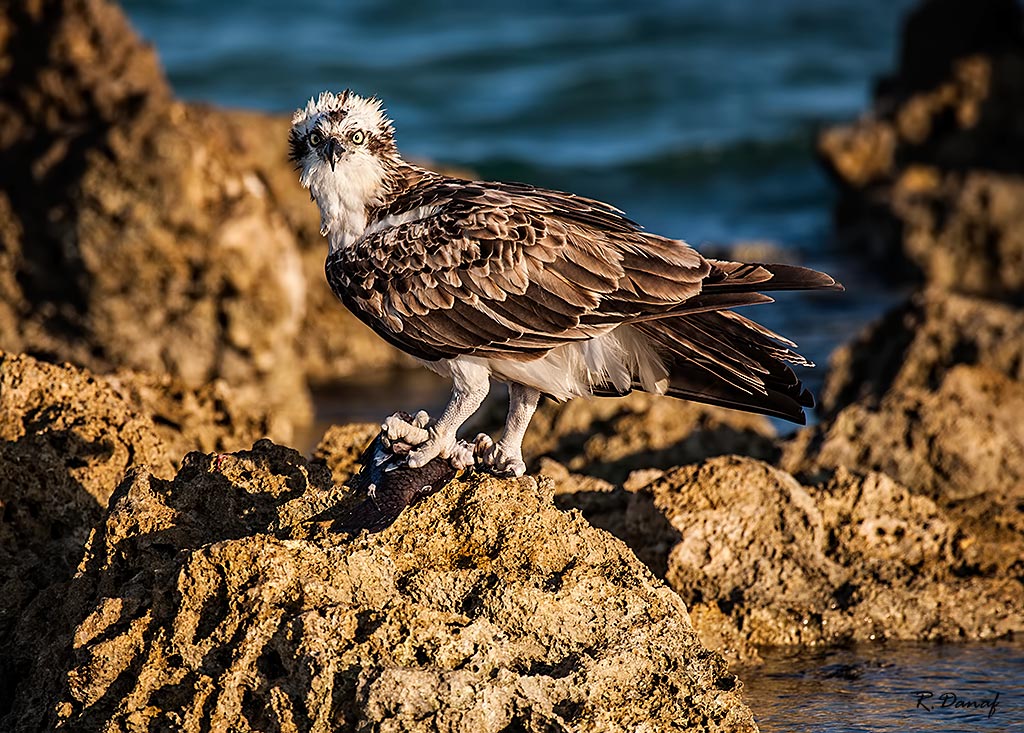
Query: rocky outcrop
point(214, 418)
point(962, 444)
point(140, 237)
point(138, 232)
point(916, 344)
point(219, 600)
point(931, 395)
point(66, 440)
point(67, 437)
point(611, 437)
point(932, 175)
point(761, 559)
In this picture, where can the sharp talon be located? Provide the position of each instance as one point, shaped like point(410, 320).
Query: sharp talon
point(462, 456)
point(482, 445)
point(496, 459)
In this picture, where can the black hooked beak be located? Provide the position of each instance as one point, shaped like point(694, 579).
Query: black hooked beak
point(333, 151)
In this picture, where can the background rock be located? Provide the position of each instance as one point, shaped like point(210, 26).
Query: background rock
point(211, 419)
point(217, 600)
point(961, 445)
point(138, 240)
point(917, 343)
point(761, 559)
point(612, 436)
point(141, 233)
point(931, 177)
point(931, 396)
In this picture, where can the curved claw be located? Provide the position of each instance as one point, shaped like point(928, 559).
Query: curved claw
point(436, 444)
point(497, 458)
point(398, 430)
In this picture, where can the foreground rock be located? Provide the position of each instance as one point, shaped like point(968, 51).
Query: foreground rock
point(219, 601)
point(932, 175)
point(761, 559)
point(66, 440)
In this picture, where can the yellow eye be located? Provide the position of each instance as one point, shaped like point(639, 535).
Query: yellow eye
point(315, 138)
point(358, 137)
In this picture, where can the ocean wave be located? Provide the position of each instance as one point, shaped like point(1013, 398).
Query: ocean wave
point(680, 165)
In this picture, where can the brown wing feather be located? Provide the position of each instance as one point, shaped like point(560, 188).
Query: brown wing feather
point(508, 270)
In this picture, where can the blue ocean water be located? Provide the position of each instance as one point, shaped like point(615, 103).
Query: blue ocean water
point(696, 118)
point(890, 688)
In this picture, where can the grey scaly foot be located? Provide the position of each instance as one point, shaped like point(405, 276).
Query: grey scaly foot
point(400, 431)
point(422, 444)
point(498, 458)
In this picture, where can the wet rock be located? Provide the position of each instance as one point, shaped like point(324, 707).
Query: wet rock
point(213, 602)
point(917, 343)
point(610, 437)
point(931, 178)
point(761, 559)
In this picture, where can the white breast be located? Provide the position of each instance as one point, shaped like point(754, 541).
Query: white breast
point(343, 194)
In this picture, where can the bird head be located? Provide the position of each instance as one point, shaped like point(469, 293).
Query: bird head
point(343, 146)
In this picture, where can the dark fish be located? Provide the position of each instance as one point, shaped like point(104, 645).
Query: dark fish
point(390, 485)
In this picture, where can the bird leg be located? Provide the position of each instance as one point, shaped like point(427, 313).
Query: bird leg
point(506, 456)
point(471, 383)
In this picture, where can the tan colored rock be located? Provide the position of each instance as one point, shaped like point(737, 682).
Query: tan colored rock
point(66, 440)
point(610, 437)
point(761, 559)
point(931, 177)
point(917, 343)
point(962, 445)
point(218, 601)
point(210, 419)
point(967, 234)
point(141, 239)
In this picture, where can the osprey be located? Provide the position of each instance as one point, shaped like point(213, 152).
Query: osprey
point(551, 293)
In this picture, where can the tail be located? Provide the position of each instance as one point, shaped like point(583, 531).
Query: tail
point(719, 357)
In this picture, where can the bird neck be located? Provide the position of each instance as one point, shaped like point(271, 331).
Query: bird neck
point(356, 198)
